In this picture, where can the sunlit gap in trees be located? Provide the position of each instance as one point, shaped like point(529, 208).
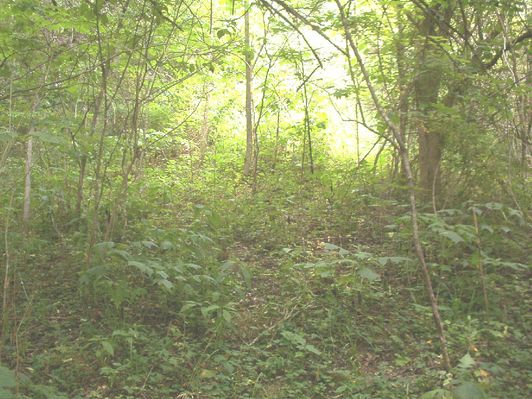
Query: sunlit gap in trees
point(329, 88)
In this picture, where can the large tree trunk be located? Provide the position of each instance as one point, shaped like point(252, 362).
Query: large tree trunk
point(427, 87)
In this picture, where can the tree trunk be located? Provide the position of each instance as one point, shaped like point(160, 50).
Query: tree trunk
point(430, 152)
point(248, 162)
point(81, 182)
point(205, 127)
point(307, 119)
point(399, 139)
point(426, 88)
point(26, 213)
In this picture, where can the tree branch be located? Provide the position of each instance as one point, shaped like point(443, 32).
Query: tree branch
point(524, 36)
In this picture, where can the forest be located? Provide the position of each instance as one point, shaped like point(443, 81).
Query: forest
point(205, 199)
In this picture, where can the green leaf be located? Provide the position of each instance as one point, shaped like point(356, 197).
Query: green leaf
point(451, 235)
point(294, 338)
point(108, 347)
point(369, 274)
point(311, 348)
point(119, 253)
point(6, 135)
point(332, 247)
point(437, 394)
point(141, 266)
point(486, 227)
point(466, 362)
point(227, 316)
point(205, 373)
point(168, 285)
point(189, 305)
point(209, 309)
point(363, 255)
point(5, 394)
point(221, 33)
point(395, 260)
point(149, 244)
point(48, 138)
point(468, 390)
point(7, 378)
point(166, 245)
point(246, 276)
point(494, 206)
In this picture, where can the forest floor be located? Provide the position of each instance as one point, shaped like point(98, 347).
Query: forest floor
point(273, 297)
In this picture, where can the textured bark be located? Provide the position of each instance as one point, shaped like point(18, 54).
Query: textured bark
point(427, 87)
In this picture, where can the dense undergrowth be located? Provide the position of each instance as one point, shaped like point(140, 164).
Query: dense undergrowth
point(217, 199)
point(305, 288)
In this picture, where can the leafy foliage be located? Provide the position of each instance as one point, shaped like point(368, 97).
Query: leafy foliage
point(139, 261)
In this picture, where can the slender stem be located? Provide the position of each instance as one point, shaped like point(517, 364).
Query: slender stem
point(480, 265)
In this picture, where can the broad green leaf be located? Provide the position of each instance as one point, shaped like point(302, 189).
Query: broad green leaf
point(119, 253)
point(6, 394)
point(369, 274)
point(437, 394)
point(468, 390)
point(332, 247)
point(7, 378)
point(451, 235)
point(227, 316)
point(168, 285)
point(108, 347)
point(486, 227)
point(166, 245)
point(494, 206)
point(222, 32)
point(141, 267)
point(362, 255)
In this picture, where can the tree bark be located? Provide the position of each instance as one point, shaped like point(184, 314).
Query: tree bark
point(426, 88)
